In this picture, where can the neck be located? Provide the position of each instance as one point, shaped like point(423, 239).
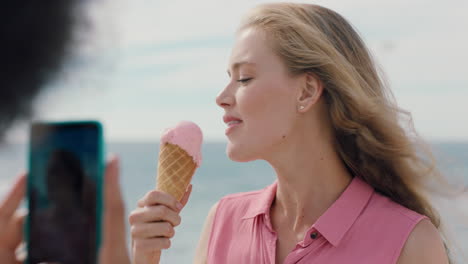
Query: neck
point(311, 177)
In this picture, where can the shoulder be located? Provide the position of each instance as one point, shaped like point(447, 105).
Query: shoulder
point(383, 208)
point(424, 245)
point(410, 237)
point(421, 241)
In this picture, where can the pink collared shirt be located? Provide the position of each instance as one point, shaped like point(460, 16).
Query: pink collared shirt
point(361, 227)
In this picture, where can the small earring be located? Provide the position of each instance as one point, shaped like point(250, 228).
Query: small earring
point(301, 107)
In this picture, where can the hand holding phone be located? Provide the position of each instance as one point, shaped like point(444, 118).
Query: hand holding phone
point(114, 246)
point(11, 221)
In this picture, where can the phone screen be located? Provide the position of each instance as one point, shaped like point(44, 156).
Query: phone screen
point(64, 192)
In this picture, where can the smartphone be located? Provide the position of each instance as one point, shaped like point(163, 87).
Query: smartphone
point(64, 192)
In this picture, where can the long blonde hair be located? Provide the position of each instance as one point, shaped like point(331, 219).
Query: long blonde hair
point(370, 139)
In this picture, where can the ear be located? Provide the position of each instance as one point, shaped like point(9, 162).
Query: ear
point(310, 92)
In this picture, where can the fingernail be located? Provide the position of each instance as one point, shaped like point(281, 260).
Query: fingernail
point(20, 178)
point(179, 205)
point(112, 158)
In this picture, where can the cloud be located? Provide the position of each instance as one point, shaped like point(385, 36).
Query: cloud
point(160, 61)
point(192, 69)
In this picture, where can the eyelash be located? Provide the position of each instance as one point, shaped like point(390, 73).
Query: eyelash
point(244, 81)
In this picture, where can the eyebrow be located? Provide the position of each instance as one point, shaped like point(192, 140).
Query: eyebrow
point(238, 64)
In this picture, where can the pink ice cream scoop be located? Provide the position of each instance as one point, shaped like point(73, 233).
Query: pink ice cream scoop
point(179, 156)
point(186, 135)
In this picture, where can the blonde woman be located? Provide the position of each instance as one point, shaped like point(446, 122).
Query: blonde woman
point(305, 96)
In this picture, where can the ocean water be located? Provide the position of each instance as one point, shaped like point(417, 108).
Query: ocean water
point(219, 176)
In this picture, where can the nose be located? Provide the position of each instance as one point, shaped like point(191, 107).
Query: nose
point(225, 98)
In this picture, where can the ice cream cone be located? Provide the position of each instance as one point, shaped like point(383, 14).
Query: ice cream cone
point(175, 170)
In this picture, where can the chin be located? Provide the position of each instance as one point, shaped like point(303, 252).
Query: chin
point(239, 154)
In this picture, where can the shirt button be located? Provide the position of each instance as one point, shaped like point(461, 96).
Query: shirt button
point(314, 235)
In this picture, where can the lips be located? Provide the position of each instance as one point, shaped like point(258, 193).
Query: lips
point(232, 122)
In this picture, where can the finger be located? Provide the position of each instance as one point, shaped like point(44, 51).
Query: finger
point(114, 238)
point(186, 196)
point(151, 230)
point(154, 214)
point(160, 198)
point(114, 208)
point(9, 205)
point(8, 257)
point(16, 230)
point(112, 194)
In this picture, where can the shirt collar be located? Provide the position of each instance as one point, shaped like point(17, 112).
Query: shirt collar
point(262, 203)
point(342, 214)
point(336, 221)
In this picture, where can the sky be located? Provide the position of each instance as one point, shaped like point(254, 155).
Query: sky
point(140, 66)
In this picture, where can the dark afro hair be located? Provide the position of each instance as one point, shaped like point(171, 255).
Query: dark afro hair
point(34, 42)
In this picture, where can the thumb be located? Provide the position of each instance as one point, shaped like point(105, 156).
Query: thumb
point(16, 228)
point(113, 201)
point(114, 246)
point(186, 196)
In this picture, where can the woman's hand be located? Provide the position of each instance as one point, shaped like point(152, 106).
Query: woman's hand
point(114, 246)
point(11, 222)
point(152, 225)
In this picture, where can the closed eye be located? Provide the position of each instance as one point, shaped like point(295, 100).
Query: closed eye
point(244, 81)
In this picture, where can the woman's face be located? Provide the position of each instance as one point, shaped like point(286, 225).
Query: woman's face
point(260, 100)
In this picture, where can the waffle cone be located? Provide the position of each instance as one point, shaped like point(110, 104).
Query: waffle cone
point(175, 170)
